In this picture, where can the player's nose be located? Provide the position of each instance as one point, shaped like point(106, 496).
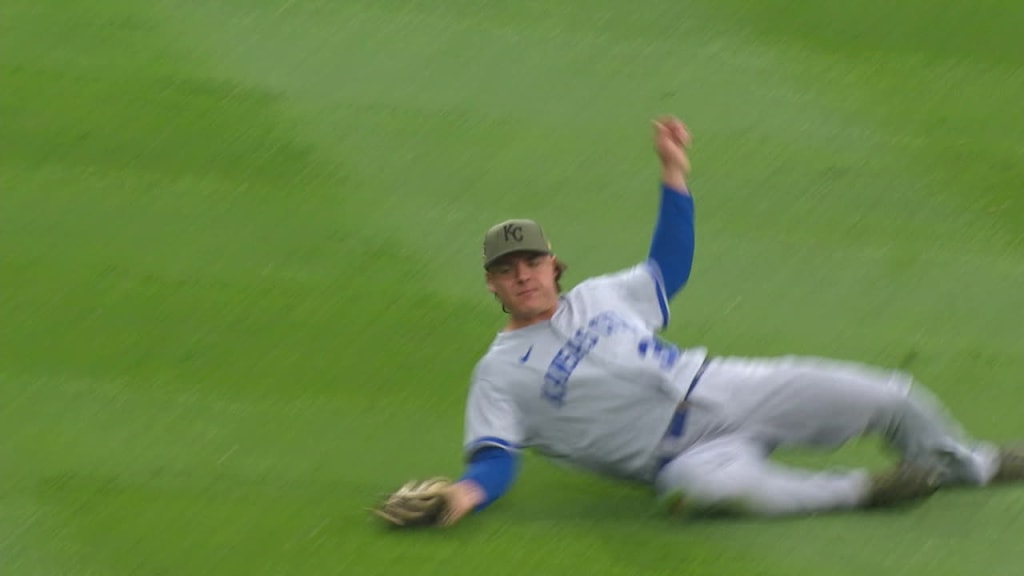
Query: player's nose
point(522, 271)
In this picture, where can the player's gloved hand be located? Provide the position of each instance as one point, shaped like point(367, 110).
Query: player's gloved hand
point(433, 502)
point(415, 503)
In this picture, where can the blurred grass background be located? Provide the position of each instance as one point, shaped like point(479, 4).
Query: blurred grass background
point(241, 288)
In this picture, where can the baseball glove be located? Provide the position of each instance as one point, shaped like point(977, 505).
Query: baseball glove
point(415, 503)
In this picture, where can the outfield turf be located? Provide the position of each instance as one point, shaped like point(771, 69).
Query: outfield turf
point(242, 293)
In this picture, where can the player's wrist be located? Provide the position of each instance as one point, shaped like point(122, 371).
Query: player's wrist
point(468, 493)
point(674, 178)
point(463, 497)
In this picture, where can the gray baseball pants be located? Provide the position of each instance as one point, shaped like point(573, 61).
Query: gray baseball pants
point(743, 409)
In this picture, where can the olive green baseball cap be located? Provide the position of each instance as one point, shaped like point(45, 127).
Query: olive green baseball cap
point(516, 235)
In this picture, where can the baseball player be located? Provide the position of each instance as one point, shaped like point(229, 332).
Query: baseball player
point(583, 378)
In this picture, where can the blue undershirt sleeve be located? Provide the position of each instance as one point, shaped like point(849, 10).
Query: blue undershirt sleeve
point(672, 245)
point(494, 469)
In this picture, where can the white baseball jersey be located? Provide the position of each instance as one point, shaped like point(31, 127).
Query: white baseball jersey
point(593, 386)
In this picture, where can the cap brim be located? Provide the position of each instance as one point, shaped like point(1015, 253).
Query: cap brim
point(501, 255)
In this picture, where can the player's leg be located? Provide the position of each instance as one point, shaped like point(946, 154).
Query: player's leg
point(796, 401)
point(732, 474)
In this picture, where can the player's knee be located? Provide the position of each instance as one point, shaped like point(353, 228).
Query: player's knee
point(886, 395)
point(722, 495)
point(712, 489)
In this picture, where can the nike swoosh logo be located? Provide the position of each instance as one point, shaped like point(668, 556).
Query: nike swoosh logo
point(525, 357)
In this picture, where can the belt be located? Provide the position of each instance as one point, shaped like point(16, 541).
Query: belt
point(677, 425)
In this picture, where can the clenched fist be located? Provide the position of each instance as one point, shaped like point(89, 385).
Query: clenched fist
point(671, 141)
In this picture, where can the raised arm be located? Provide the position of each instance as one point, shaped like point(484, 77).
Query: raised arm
point(672, 244)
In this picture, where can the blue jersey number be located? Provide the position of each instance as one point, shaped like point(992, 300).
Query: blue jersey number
point(665, 353)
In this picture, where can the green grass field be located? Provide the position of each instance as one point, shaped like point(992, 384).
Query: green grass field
point(242, 292)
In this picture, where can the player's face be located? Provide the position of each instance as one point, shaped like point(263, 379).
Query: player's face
point(525, 285)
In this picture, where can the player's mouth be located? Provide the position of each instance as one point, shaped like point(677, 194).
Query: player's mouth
point(527, 293)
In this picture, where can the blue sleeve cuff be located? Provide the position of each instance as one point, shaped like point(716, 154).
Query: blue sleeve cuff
point(672, 244)
point(494, 470)
point(484, 441)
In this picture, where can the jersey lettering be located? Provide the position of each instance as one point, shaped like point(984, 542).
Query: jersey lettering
point(608, 323)
point(664, 353)
point(575, 349)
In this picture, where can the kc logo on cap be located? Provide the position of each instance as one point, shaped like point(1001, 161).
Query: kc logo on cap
point(513, 232)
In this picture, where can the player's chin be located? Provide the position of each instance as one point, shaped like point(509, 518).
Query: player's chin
point(525, 309)
point(531, 299)
point(530, 305)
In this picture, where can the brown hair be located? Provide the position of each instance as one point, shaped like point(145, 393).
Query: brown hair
point(560, 268)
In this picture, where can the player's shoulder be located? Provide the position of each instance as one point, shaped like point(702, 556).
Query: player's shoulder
point(487, 366)
point(606, 280)
point(503, 362)
point(494, 364)
point(490, 376)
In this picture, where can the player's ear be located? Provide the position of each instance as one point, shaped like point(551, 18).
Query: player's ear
point(560, 268)
point(490, 283)
point(557, 264)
